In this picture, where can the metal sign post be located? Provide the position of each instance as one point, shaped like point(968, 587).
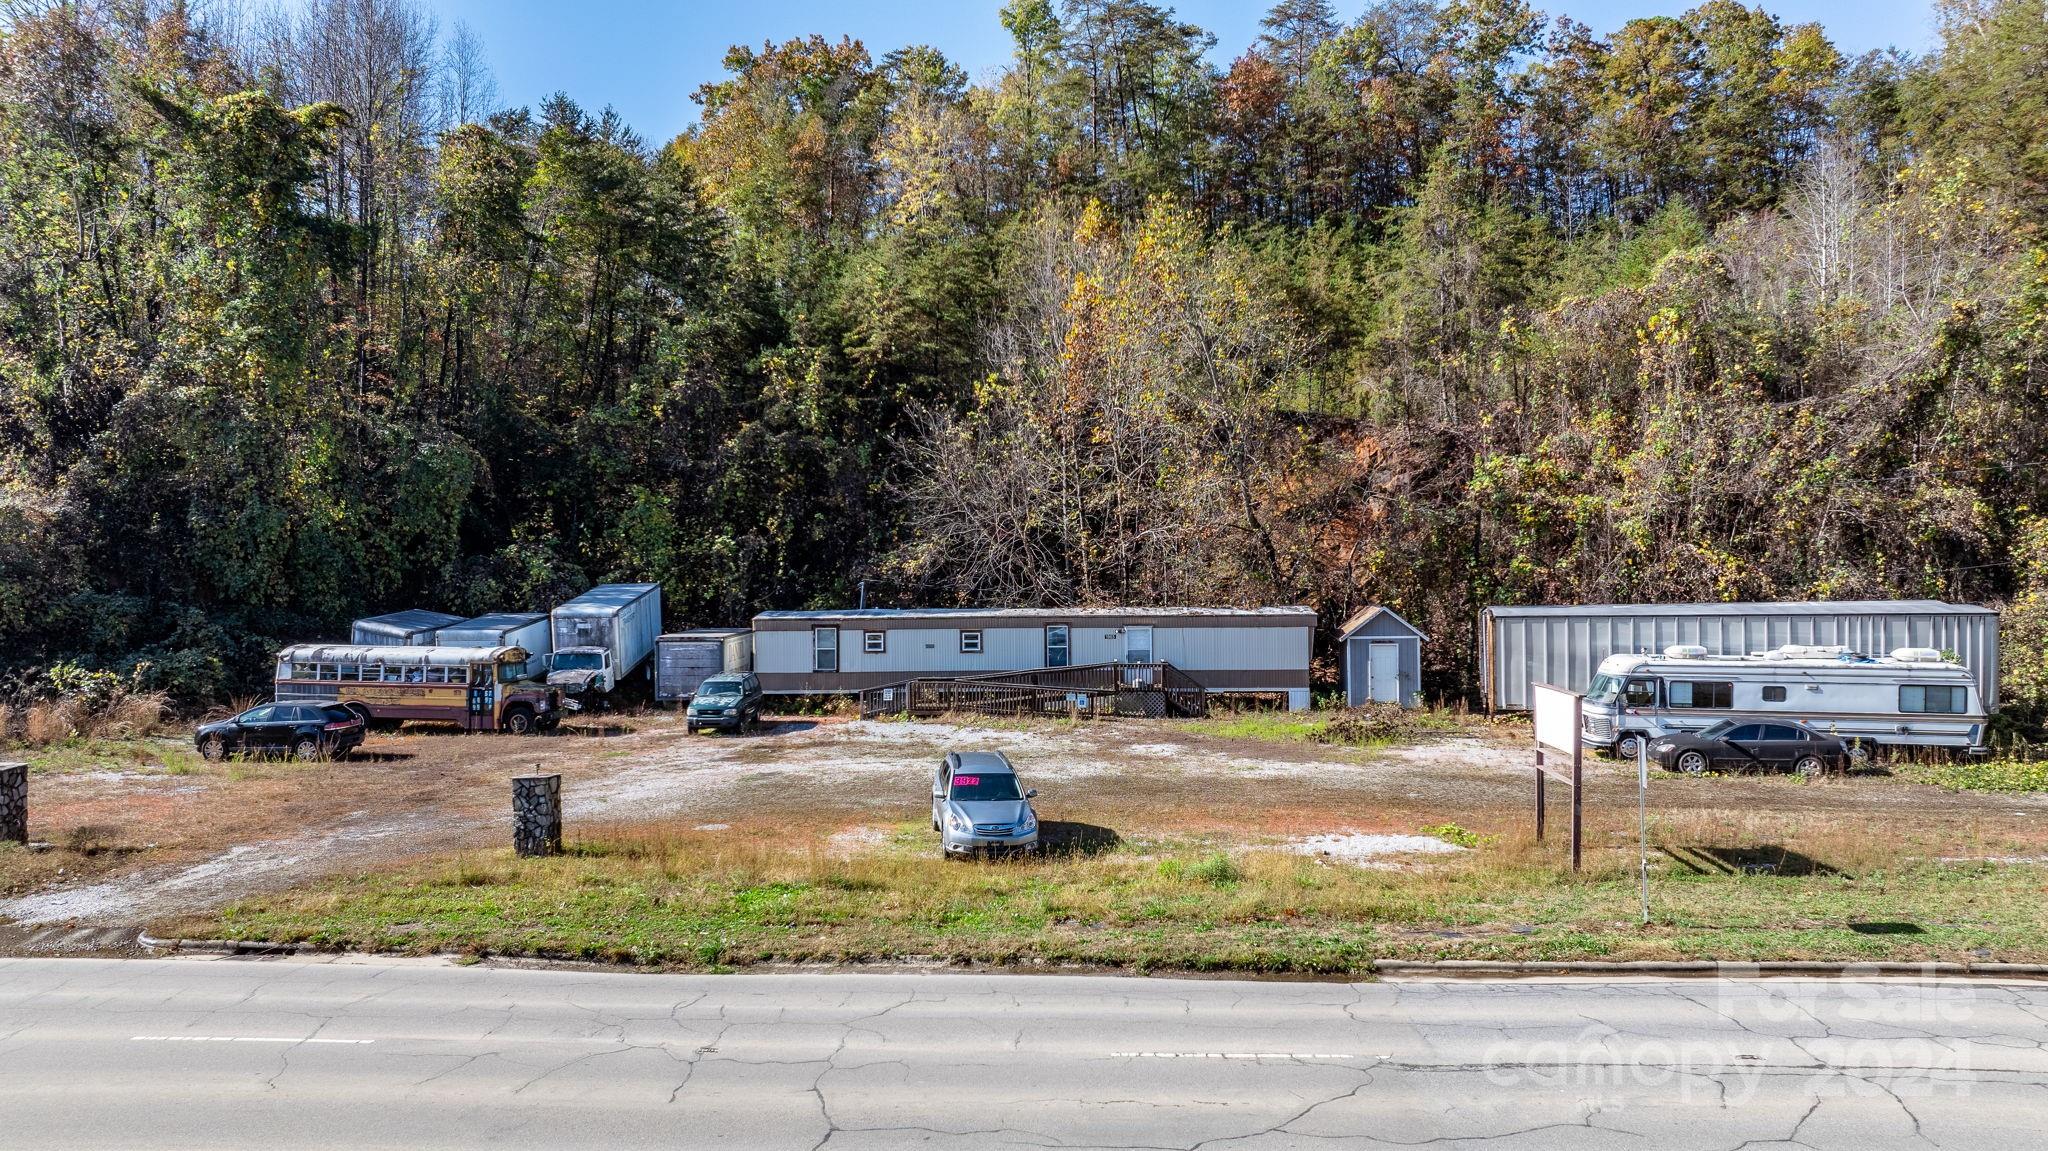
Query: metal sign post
point(1643, 819)
point(1560, 717)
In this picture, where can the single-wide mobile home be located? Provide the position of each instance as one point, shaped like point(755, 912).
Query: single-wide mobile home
point(685, 659)
point(1565, 645)
point(415, 628)
point(1226, 650)
point(1382, 658)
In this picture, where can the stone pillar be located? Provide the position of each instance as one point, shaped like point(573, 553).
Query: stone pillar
point(14, 802)
point(537, 814)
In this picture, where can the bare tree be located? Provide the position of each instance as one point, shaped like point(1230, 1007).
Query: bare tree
point(468, 90)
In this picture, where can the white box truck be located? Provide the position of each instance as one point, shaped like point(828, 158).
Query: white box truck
point(603, 637)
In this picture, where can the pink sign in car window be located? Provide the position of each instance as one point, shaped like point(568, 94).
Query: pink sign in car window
point(966, 781)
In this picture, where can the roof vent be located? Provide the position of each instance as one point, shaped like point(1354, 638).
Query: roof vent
point(1918, 655)
point(1686, 651)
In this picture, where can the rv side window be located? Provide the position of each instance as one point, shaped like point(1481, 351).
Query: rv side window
point(874, 642)
point(825, 649)
point(1640, 693)
point(1932, 699)
point(1773, 693)
point(970, 643)
point(1699, 694)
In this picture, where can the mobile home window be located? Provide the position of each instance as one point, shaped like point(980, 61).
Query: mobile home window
point(1774, 693)
point(1932, 699)
point(874, 642)
point(1058, 647)
point(970, 643)
point(825, 649)
point(1699, 694)
point(1640, 693)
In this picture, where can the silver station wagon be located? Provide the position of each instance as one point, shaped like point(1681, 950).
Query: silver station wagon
point(977, 805)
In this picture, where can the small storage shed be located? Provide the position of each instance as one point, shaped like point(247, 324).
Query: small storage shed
point(1382, 658)
point(415, 628)
point(685, 659)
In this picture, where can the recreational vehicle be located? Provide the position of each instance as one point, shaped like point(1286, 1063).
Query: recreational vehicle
point(1911, 698)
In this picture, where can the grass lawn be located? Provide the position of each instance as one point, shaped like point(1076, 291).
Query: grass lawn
point(709, 900)
point(2008, 775)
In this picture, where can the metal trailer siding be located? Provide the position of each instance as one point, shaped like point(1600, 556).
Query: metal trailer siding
point(623, 617)
point(532, 632)
point(414, 628)
point(685, 660)
point(1565, 645)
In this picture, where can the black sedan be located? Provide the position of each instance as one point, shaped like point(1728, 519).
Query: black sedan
point(1736, 745)
point(300, 730)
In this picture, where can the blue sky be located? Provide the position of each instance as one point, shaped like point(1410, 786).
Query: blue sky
point(645, 57)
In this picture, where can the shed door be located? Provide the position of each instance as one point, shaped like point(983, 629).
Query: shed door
point(1384, 671)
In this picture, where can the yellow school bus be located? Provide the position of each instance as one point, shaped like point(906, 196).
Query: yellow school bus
point(475, 688)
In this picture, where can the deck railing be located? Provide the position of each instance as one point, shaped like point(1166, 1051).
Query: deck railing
point(1156, 690)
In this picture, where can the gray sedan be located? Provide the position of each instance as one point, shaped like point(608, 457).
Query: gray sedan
point(977, 805)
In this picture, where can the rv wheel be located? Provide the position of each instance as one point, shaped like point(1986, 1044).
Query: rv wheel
point(1630, 747)
point(1693, 763)
point(1859, 753)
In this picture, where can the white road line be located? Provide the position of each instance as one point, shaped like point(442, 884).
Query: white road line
point(1225, 1055)
point(242, 1039)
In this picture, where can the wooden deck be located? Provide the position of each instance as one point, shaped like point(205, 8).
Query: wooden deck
point(1090, 691)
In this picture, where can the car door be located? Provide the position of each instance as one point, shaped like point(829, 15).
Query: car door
point(259, 728)
point(1782, 745)
point(1738, 747)
point(939, 780)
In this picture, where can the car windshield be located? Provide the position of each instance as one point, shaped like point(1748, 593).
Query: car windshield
point(711, 687)
point(1604, 689)
point(579, 661)
point(981, 786)
point(1719, 730)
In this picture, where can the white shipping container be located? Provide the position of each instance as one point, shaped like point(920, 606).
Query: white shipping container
point(414, 628)
point(684, 660)
point(532, 631)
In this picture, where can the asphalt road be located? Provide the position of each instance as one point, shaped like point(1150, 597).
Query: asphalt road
point(148, 1054)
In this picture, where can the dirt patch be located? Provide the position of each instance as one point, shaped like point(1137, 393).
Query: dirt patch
point(197, 840)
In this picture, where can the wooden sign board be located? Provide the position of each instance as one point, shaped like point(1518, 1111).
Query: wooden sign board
point(1560, 719)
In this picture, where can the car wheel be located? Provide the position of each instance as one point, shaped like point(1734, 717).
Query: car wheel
point(1693, 763)
point(213, 749)
point(519, 721)
point(1629, 747)
point(1809, 767)
point(306, 748)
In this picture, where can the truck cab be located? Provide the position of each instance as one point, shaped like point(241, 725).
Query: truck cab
point(580, 671)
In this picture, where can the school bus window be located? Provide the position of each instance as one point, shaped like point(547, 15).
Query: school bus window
point(458, 675)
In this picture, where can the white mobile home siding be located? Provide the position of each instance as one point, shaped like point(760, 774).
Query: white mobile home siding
point(1255, 650)
point(1564, 645)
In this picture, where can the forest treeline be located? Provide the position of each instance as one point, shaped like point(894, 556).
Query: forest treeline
point(1433, 304)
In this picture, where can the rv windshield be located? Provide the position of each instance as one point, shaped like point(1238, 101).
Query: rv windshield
point(579, 661)
point(1604, 690)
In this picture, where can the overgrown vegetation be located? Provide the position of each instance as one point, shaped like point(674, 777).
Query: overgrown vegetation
point(1377, 725)
point(1448, 305)
point(1998, 774)
point(701, 900)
